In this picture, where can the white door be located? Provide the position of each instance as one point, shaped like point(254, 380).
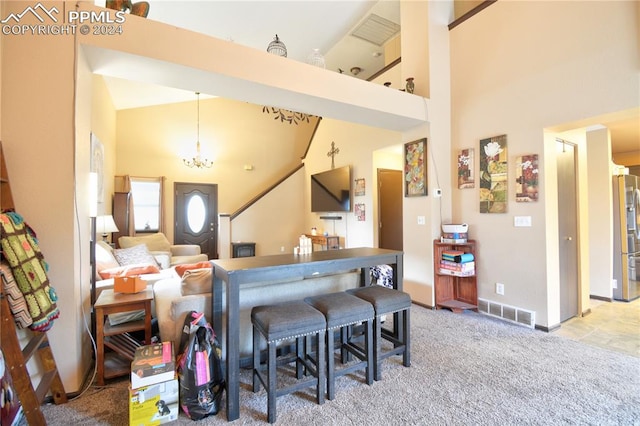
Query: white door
point(567, 229)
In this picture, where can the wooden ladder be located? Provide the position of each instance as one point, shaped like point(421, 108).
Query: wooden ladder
point(16, 357)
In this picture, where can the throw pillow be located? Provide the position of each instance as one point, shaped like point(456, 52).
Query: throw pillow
point(196, 281)
point(154, 242)
point(129, 271)
point(181, 269)
point(134, 256)
point(104, 257)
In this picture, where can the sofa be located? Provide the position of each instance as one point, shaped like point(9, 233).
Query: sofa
point(166, 254)
point(175, 297)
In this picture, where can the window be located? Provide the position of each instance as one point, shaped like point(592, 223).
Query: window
point(147, 196)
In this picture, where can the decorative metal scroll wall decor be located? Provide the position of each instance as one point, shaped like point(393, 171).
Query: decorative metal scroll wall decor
point(286, 115)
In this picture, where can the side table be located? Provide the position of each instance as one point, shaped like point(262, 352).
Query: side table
point(117, 337)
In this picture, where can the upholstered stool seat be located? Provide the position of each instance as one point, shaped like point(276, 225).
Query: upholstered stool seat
point(388, 301)
point(285, 322)
point(342, 311)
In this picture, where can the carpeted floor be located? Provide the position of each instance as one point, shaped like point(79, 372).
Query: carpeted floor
point(467, 369)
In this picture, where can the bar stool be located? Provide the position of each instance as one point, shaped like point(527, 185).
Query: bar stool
point(284, 322)
point(342, 311)
point(388, 301)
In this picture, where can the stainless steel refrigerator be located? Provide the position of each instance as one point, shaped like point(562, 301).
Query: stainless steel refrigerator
point(626, 237)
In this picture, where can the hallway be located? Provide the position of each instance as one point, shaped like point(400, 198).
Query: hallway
point(610, 325)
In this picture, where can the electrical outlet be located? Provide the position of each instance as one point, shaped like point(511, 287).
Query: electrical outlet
point(421, 220)
point(500, 288)
point(282, 249)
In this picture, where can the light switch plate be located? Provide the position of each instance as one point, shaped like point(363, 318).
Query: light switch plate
point(522, 221)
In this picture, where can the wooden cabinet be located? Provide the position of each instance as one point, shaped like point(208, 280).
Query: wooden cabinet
point(328, 242)
point(455, 292)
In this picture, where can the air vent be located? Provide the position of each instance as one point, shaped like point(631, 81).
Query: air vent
point(376, 29)
point(507, 313)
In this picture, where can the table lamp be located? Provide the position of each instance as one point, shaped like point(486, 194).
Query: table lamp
point(105, 225)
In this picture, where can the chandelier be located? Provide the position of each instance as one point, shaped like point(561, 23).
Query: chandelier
point(286, 115)
point(198, 161)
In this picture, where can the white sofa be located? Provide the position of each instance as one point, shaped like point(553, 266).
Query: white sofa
point(173, 300)
point(166, 253)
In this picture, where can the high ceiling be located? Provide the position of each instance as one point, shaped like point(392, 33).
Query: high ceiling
point(302, 25)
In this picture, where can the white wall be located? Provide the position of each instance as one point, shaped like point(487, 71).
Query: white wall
point(510, 82)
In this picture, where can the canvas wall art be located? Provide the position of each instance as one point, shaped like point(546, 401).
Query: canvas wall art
point(415, 168)
point(527, 178)
point(466, 177)
point(493, 174)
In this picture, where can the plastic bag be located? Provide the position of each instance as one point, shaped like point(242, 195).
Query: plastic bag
point(199, 369)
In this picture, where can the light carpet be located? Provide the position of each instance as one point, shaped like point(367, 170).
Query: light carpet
point(466, 369)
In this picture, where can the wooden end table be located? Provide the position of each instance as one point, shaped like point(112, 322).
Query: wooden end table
point(117, 337)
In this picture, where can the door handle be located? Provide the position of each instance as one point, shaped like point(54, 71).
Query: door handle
point(568, 238)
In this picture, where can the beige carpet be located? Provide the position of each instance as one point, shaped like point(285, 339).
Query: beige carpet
point(466, 369)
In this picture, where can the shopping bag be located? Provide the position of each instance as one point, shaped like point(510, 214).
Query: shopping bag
point(199, 369)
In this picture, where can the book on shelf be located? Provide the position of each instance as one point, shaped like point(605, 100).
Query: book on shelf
point(454, 237)
point(153, 364)
point(458, 258)
point(454, 273)
point(461, 267)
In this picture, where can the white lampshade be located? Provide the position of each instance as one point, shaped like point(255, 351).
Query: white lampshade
point(105, 225)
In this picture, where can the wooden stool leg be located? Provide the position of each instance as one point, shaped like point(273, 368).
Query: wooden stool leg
point(256, 360)
point(273, 383)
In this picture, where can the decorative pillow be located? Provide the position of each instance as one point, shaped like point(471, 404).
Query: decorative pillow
point(17, 304)
point(104, 257)
point(135, 255)
point(29, 270)
point(129, 271)
point(196, 281)
point(181, 269)
point(154, 242)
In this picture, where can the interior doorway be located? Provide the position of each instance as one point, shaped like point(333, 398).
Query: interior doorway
point(196, 216)
point(568, 228)
point(390, 209)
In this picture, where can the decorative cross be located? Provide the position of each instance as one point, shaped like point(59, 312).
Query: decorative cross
point(333, 153)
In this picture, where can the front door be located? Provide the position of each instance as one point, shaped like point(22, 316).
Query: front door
point(196, 216)
point(390, 209)
point(567, 229)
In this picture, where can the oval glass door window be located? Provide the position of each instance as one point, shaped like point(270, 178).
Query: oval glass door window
point(196, 213)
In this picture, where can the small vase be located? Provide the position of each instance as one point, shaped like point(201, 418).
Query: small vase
point(410, 85)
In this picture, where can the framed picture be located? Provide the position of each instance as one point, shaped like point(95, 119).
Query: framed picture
point(359, 187)
point(360, 212)
point(465, 169)
point(493, 175)
point(527, 178)
point(415, 168)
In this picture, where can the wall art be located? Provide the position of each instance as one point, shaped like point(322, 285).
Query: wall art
point(360, 212)
point(527, 178)
point(415, 168)
point(359, 187)
point(466, 178)
point(493, 175)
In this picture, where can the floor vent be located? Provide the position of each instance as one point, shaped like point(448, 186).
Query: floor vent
point(507, 313)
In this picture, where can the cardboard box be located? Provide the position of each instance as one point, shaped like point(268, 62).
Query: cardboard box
point(133, 284)
point(154, 404)
point(153, 364)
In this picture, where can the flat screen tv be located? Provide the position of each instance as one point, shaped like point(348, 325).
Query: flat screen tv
point(331, 190)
